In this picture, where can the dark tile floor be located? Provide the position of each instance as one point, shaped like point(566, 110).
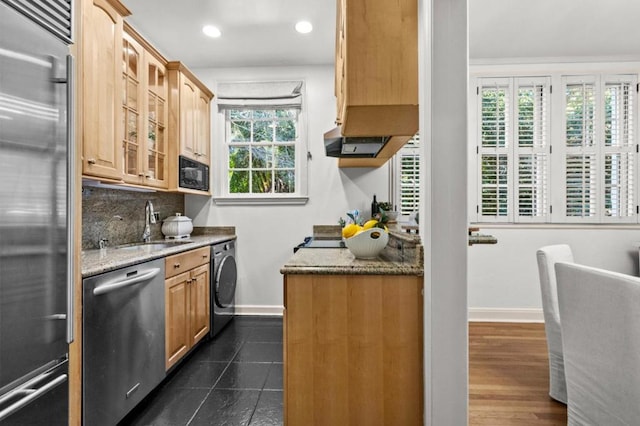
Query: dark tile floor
point(233, 379)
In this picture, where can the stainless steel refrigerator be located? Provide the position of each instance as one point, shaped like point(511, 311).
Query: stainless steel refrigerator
point(36, 86)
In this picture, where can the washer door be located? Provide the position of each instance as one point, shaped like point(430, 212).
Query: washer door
point(226, 282)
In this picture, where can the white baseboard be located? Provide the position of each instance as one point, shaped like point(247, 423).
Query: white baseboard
point(475, 314)
point(506, 315)
point(269, 310)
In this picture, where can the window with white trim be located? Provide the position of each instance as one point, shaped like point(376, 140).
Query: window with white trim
point(406, 183)
point(513, 149)
point(263, 148)
point(589, 171)
point(599, 145)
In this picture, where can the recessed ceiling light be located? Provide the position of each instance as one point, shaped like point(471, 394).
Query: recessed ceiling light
point(304, 27)
point(211, 31)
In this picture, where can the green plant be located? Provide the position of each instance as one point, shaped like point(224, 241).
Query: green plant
point(385, 205)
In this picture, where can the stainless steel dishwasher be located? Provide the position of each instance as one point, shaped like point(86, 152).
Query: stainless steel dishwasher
point(123, 340)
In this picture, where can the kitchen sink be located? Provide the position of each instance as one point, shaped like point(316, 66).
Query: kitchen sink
point(151, 246)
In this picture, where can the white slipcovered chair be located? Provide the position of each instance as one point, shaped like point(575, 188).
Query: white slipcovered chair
point(600, 313)
point(547, 257)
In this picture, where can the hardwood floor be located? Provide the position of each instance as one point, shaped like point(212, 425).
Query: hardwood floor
point(509, 376)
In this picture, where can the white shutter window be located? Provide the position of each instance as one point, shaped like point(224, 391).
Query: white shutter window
point(581, 185)
point(495, 198)
point(532, 146)
point(581, 151)
point(495, 138)
point(619, 148)
point(408, 179)
point(590, 171)
point(600, 148)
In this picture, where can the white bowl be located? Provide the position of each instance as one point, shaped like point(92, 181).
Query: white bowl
point(367, 244)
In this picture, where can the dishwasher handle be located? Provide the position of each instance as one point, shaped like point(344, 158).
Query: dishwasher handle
point(110, 286)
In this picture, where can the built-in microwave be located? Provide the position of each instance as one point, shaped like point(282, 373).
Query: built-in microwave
point(193, 175)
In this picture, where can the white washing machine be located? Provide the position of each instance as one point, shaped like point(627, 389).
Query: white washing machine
point(223, 285)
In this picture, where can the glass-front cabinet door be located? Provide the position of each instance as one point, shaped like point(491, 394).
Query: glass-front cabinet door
point(156, 121)
point(144, 103)
point(131, 103)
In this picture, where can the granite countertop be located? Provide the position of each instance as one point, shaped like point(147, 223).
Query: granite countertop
point(339, 261)
point(103, 260)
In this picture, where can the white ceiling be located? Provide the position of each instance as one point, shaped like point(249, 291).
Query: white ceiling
point(261, 33)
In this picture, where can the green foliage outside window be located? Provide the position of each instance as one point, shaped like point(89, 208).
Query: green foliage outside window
point(262, 146)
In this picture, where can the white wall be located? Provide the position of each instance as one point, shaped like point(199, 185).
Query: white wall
point(503, 278)
point(267, 234)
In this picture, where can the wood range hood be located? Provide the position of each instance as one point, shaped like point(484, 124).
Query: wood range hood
point(376, 81)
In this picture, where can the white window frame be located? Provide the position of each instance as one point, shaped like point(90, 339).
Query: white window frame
point(512, 150)
point(599, 81)
point(220, 171)
point(609, 72)
point(413, 150)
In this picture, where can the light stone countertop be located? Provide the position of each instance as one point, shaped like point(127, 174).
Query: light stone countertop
point(340, 261)
point(103, 260)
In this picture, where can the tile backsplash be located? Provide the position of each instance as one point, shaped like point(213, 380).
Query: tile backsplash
point(101, 208)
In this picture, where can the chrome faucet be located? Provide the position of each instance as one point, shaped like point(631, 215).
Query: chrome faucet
point(149, 218)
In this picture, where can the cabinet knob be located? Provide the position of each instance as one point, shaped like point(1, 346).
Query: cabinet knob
point(189, 281)
point(148, 175)
point(91, 160)
point(176, 265)
point(141, 174)
point(204, 256)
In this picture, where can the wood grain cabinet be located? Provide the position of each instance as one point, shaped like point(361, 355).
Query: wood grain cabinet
point(187, 304)
point(144, 112)
point(376, 75)
point(353, 350)
point(102, 88)
point(189, 117)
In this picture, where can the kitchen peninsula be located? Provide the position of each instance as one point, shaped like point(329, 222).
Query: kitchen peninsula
point(353, 335)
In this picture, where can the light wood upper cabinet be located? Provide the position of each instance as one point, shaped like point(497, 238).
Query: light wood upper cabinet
point(187, 302)
point(190, 114)
point(203, 126)
point(102, 88)
point(376, 82)
point(145, 112)
point(189, 118)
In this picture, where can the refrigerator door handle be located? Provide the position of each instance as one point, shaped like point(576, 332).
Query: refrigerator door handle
point(70, 82)
point(30, 393)
point(71, 195)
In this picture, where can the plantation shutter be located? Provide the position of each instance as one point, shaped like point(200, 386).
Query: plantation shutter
point(494, 112)
point(532, 148)
point(409, 182)
point(600, 157)
point(581, 156)
point(619, 148)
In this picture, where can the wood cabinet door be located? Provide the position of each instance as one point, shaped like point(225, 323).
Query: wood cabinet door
point(188, 112)
point(200, 303)
point(155, 151)
point(353, 350)
point(203, 152)
point(132, 104)
point(177, 317)
point(101, 76)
